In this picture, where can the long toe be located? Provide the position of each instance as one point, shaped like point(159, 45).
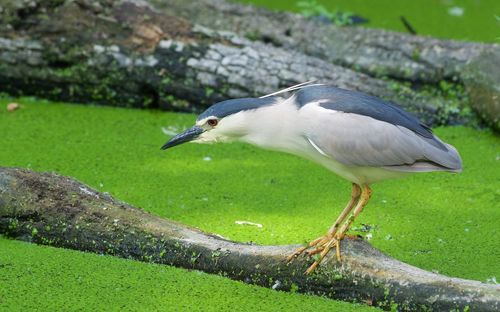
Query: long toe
point(315, 251)
point(324, 249)
point(301, 250)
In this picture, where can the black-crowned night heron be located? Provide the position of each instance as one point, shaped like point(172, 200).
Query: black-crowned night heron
point(359, 137)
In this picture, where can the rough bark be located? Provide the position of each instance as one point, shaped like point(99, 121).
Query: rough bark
point(483, 86)
point(128, 53)
point(373, 51)
point(49, 209)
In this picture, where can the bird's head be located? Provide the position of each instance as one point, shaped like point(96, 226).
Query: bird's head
point(225, 121)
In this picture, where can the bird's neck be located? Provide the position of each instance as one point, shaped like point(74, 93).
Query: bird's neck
point(274, 126)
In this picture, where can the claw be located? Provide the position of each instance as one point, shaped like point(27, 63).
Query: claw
point(323, 245)
point(311, 253)
point(295, 254)
point(312, 268)
point(324, 251)
point(359, 197)
point(299, 251)
point(337, 249)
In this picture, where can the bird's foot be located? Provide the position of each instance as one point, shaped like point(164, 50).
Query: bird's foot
point(322, 246)
point(301, 250)
point(321, 251)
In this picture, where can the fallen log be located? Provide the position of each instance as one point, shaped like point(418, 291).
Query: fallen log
point(129, 53)
point(373, 51)
point(53, 210)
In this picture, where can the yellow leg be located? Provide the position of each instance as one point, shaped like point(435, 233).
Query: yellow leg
point(335, 241)
point(365, 197)
point(355, 194)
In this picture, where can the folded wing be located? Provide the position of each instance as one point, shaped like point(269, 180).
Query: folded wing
point(354, 139)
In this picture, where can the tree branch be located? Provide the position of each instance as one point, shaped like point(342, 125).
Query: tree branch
point(50, 209)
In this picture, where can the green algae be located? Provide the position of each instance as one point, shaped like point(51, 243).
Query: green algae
point(478, 21)
point(441, 222)
point(438, 221)
point(47, 279)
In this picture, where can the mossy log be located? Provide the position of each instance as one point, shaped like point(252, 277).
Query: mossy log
point(53, 210)
point(373, 51)
point(129, 53)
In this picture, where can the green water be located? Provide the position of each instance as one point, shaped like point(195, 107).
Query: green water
point(442, 222)
point(480, 20)
point(34, 278)
point(439, 221)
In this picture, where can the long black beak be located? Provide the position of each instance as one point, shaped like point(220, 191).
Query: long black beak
point(186, 136)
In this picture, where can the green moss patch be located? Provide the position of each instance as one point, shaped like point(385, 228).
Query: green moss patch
point(436, 221)
point(455, 19)
point(48, 279)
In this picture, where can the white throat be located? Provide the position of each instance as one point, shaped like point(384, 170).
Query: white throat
point(267, 127)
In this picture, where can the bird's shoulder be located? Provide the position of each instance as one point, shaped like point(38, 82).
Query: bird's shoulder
point(348, 101)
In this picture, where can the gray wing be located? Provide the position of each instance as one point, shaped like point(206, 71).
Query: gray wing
point(358, 140)
point(349, 101)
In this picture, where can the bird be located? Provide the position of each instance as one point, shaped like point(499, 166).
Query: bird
point(357, 136)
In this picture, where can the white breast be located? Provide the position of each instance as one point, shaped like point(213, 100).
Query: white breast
point(284, 127)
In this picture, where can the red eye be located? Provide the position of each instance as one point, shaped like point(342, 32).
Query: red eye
point(212, 122)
